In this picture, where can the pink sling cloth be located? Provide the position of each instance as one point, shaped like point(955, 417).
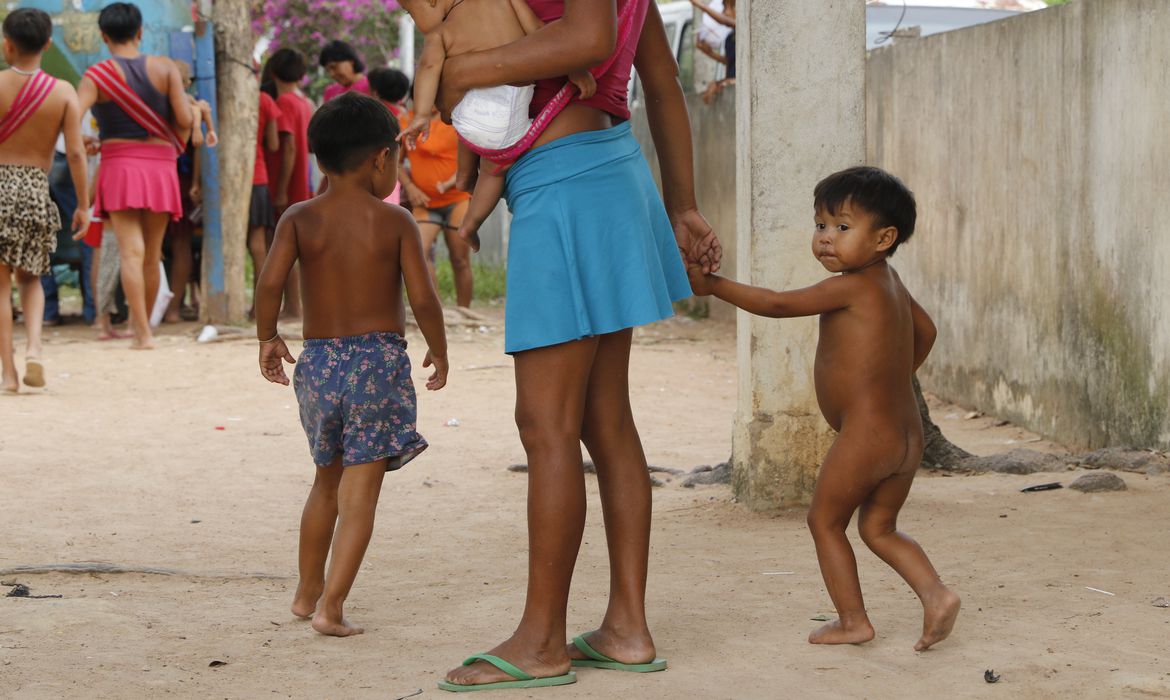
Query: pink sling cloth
point(27, 102)
point(107, 77)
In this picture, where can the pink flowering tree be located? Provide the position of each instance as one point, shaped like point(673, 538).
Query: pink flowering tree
point(370, 26)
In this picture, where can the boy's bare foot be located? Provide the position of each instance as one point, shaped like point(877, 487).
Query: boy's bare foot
point(538, 662)
point(938, 618)
point(305, 602)
point(836, 633)
point(143, 344)
point(339, 627)
point(628, 650)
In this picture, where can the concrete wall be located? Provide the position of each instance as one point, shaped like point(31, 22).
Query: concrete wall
point(1038, 148)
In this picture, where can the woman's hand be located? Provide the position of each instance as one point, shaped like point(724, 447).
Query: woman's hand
point(696, 240)
point(416, 196)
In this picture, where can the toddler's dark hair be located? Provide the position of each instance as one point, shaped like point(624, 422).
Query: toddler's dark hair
point(288, 65)
point(347, 129)
point(30, 29)
point(874, 190)
point(120, 21)
point(389, 84)
point(337, 50)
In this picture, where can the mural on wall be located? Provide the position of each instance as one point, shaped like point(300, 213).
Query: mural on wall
point(77, 41)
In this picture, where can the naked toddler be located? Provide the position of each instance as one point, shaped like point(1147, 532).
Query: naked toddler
point(873, 337)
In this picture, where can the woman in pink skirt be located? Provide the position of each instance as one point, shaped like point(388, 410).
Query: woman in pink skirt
point(141, 111)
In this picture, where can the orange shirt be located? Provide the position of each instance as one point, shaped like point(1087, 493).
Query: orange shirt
point(434, 161)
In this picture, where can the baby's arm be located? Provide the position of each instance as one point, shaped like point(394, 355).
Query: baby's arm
point(924, 332)
point(269, 291)
point(828, 295)
point(426, 87)
point(205, 115)
point(424, 301)
point(530, 23)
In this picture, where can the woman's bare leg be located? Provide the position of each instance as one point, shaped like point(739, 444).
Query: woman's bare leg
point(182, 262)
point(551, 385)
point(32, 300)
point(357, 501)
point(612, 439)
point(460, 253)
point(127, 227)
point(258, 249)
point(154, 228)
point(9, 379)
point(430, 234)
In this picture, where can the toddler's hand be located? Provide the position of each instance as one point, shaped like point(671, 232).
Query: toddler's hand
point(701, 284)
point(212, 138)
point(584, 82)
point(438, 378)
point(416, 132)
point(272, 354)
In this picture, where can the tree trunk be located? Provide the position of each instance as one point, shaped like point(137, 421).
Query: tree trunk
point(238, 106)
point(938, 453)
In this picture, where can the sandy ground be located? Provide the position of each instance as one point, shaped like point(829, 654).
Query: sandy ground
point(185, 459)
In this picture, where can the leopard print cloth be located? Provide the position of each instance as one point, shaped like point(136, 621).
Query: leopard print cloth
point(29, 219)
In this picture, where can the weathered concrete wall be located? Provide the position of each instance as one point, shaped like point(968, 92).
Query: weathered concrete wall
point(1038, 149)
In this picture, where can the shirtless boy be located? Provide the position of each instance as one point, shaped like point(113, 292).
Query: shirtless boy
point(873, 337)
point(353, 379)
point(34, 110)
point(491, 118)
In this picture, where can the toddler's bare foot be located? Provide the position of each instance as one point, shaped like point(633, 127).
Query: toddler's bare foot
point(938, 618)
point(539, 661)
point(334, 627)
point(837, 633)
point(305, 602)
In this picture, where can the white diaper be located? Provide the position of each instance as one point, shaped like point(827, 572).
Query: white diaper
point(493, 118)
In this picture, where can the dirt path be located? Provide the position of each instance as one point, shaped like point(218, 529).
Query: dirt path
point(124, 461)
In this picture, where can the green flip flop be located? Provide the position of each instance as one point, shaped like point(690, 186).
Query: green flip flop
point(598, 660)
point(523, 680)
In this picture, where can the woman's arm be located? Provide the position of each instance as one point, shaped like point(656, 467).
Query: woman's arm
point(670, 127)
point(584, 37)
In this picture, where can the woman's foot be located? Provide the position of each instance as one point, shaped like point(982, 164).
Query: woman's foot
point(938, 617)
point(10, 384)
point(144, 342)
point(334, 626)
point(837, 633)
point(305, 600)
point(539, 661)
point(113, 334)
point(628, 649)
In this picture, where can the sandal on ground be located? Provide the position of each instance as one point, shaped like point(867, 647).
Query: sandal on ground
point(523, 680)
point(598, 660)
point(34, 373)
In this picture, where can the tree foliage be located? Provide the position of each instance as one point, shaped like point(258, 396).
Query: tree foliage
point(371, 26)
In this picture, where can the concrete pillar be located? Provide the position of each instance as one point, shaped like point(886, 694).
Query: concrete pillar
point(800, 116)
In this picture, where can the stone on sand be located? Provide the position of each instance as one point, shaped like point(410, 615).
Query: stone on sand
point(1098, 481)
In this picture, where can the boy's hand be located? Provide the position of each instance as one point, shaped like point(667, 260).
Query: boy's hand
point(438, 378)
point(584, 82)
point(701, 284)
point(80, 224)
point(271, 355)
point(416, 132)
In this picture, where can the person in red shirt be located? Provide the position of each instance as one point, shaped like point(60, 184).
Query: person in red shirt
point(261, 215)
point(290, 173)
point(429, 189)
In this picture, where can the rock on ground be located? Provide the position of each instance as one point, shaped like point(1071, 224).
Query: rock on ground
point(1126, 459)
point(707, 474)
point(1019, 461)
point(1098, 481)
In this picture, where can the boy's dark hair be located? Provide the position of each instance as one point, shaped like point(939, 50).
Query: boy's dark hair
point(338, 50)
point(287, 65)
point(347, 129)
point(881, 194)
point(29, 29)
point(389, 84)
point(120, 21)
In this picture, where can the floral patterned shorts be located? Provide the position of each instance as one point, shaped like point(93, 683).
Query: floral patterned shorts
point(357, 401)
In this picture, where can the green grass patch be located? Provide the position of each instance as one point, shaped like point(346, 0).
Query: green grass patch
point(489, 282)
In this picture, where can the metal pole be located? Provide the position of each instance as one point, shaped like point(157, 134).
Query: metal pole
point(214, 306)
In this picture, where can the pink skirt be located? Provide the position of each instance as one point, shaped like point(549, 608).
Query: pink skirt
point(138, 176)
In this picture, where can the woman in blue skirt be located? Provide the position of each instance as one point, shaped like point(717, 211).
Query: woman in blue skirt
point(593, 253)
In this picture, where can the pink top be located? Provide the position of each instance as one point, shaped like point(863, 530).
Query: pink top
point(613, 87)
point(362, 85)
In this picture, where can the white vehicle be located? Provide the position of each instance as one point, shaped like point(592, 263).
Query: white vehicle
point(678, 18)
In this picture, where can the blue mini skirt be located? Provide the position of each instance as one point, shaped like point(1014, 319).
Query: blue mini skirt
point(591, 249)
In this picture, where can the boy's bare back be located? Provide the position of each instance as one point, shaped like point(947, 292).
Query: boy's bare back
point(34, 142)
point(350, 248)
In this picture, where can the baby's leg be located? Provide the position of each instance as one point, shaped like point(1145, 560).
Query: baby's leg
point(357, 500)
point(878, 526)
point(465, 176)
point(488, 191)
point(845, 480)
point(317, 521)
